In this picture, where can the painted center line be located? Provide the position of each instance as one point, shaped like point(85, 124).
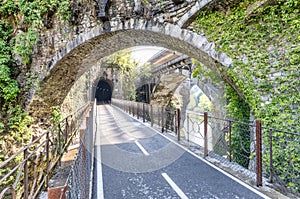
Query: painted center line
point(141, 148)
point(174, 186)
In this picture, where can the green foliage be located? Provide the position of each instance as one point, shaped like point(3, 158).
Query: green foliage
point(29, 17)
point(239, 110)
point(127, 68)
point(63, 10)
point(205, 74)
point(7, 7)
point(24, 45)
point(205, 104)
point(8, 86)
point(264, 45)
point(35, 11)
point(20, 23)
point(56, 115)
point(199, 102)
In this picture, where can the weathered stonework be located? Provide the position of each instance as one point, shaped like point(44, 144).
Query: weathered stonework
point(80, 48)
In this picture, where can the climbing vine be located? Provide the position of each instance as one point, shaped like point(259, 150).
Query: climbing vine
point(21, 21)
point(238, 110)
point(263, 39)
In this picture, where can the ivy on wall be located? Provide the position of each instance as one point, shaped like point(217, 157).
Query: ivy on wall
point(238, 110)
point(265, 49)
point(263, 39)
point(21, 22)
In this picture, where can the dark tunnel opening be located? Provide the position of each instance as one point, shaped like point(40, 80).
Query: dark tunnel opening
point(103, 92)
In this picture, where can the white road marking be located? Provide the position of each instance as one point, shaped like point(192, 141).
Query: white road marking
point(217, 168)
point(99, 178)
point(205, 161)
point(141, 148)
point(100, 192)
point(174, 186)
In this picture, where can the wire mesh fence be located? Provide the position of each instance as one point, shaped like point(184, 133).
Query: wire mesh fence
point(227, 138)
point(80, 176)
point(261, 153)
point(28, 171)
point(281, 159)
point(167, 118)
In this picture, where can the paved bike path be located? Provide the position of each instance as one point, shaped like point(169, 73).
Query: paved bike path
point(134, 161)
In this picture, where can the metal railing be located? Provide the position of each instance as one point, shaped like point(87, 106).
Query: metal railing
point(281, 159)
point(80, 178)
point(28, 171)
point(264, 154)
point(225, 139)
point(167, 118)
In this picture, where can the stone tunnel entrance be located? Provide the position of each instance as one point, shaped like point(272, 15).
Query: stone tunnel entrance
point(103, 92)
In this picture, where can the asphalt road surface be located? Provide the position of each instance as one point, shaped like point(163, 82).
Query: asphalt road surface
point(134, 161)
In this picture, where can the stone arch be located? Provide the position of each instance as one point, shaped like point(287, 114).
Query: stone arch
point(85, 50)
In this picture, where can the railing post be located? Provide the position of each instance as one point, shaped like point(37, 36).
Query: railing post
point(205, 135)
point(26, 187)
point(162, 119)
point(158, 117)
point(132, 108)
point(138, 110)
point(126, 107)
point(129, 108)
point(47, 159)
point(144, 112)
point(151, 114)
point(59, 144)
point(59, 137)
point(66, 131)
point(178, 124)
point(258, 154)
point(188, 128)
point(271, 155)
point(230, 142)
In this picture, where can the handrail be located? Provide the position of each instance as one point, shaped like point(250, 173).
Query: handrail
point(252, 145)
point(83, 164)
point(240, 122)
point(22, 150)
point(40, 136)
point(44, 152)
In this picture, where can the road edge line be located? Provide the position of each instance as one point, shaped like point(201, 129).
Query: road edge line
point(174, 186)
point(204, 160)
point(100, 189)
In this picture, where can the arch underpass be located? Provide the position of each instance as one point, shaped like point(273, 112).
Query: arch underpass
point(113, 32)
point(84, 51)
point(65, 53)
